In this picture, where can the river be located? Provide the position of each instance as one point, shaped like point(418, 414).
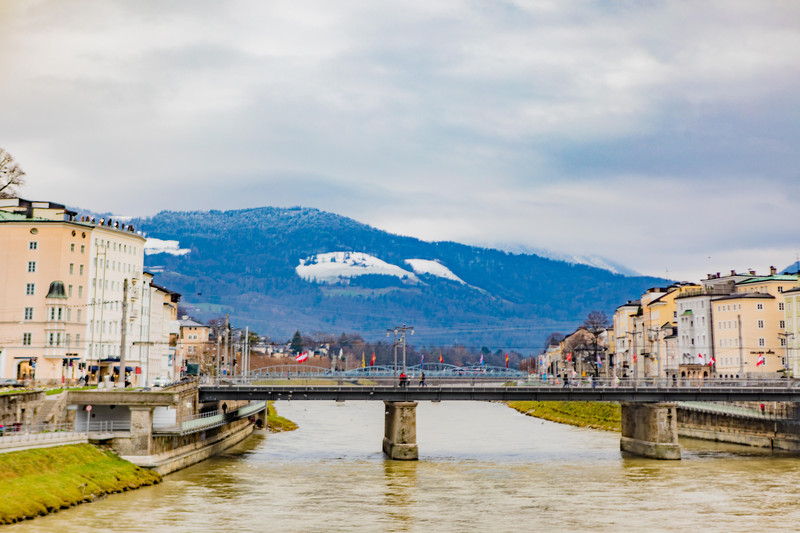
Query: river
point(482, 467)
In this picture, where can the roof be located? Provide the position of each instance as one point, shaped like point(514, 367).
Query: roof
point(745, 295)
point(189, 323)
point(7, 216)
point(762, 279)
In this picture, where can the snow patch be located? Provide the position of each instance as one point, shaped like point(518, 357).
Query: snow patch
point(158, 246)
point(433, 268)
point(329, 267)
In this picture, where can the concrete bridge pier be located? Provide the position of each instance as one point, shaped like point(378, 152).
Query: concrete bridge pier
point(400, 431)
point(650, 430)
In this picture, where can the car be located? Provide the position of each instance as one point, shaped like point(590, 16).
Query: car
point(161, 381)
point(10, 382)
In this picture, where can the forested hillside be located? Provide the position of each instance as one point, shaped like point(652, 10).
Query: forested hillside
point(243, 263)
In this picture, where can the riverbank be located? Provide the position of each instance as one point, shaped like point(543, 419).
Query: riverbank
point(277, 423)
point(42, 481)
point(595, 415)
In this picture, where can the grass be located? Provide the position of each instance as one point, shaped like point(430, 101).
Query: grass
point(41, 481)
point(595, 415)
point(60, 390)
point(278, 423)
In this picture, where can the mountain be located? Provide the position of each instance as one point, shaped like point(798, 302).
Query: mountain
point(794, 268)
point(279, 270)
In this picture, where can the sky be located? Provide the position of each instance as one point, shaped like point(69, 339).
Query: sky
point(661, 135)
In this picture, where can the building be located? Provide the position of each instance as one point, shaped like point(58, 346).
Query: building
point(193, 344)
point(791, 335)
point(63, 281)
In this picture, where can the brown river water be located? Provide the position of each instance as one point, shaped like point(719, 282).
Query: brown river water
point(482, 467)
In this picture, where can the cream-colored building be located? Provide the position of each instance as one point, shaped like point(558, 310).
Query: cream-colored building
point(749, 325)
point(624, 340)
point(193, 344)
point(62, 280)
point(791, 335)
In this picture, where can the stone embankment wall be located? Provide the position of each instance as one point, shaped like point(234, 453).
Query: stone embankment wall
point(721, 427)
point(20, 407)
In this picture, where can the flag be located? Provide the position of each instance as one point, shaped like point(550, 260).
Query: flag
point(599, 362)
point(569, 357)
point(701, 358)
point(301, 357)
point(713, 361)
point(421, 359)
point(441, 357)
point(634, 357)
point(372, 359)
point(481, 361)
point(506, 360)
point(363, 361)
point(761, 360)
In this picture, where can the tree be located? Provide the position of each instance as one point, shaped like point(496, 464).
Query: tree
point(297, 342)
point(596, 324)
point(11, 175)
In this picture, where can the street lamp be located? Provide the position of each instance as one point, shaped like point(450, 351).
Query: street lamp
point(787, 365)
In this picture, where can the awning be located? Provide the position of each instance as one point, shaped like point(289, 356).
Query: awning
point(94, 368)
point(127, 369)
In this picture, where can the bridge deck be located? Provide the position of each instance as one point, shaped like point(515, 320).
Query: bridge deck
point(499, 393)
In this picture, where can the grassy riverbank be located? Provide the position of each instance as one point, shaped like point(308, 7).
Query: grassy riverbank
point(594, 415)
point(276, 422)
point(41, 481)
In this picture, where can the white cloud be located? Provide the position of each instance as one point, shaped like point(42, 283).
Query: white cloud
point(614, 129)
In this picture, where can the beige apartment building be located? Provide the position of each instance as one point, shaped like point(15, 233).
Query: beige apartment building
point(62, 281)
point(193, 345)
point(790, 338)
point(749, 325)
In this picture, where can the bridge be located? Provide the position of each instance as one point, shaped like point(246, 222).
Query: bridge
point(649, 420)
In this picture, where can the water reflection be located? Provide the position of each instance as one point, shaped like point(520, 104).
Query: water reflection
point(400, 490)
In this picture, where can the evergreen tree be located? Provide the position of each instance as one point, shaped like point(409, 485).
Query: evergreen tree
point(297, 342)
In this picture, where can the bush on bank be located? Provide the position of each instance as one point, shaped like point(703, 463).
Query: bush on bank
point(278, 423)
point(41, 481)
point(593, 415)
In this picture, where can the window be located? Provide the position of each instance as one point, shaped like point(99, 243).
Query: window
point(77, 339)
point(72, 268)
point(29, 313)
point(80, 270)
point(80, 291)
point(83, 248)
point(780, 306)
point(72, 247)
point(68, 339)
point(80, 312)
point(783, 341)
point(26, 339)
point(760, 324)
point(33, 245)
point(69, 290)
point(782, 324)
point(759, 306)
point(762, 341)
point(51, 339)
point(29, 289)
point(31, 266)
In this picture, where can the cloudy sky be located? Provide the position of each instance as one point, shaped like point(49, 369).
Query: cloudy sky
point(662, 135)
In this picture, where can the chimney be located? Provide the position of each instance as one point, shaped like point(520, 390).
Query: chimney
point(710, 276)
point(733, 272)
point(773, 271)
point(752, 272)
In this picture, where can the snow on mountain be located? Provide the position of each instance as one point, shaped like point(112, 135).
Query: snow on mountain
point(434, 268)
point(329, 267)
point(574, 259)
point(158, 246)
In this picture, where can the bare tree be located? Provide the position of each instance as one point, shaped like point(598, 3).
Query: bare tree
point(11, 175)
point(596, 324)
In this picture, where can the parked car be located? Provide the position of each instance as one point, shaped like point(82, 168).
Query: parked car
point(161, 381)
point(10, 382)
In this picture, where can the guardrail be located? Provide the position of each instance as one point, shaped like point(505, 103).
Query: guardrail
point(210, 419)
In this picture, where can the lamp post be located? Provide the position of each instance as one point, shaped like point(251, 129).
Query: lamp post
point(388, 333)
point(790, 363)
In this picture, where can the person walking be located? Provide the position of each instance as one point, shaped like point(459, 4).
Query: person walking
point(422, 379)
point(403, 379)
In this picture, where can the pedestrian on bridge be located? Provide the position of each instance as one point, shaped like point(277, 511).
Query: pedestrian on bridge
point(422, 379)
point(403, 379)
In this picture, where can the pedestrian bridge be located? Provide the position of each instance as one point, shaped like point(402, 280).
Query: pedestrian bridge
point(649, 420)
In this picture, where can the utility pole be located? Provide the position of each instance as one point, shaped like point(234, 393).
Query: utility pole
point(246, 351)
point(219, 339)
point(389, 332)
point(741, 348)
point(227, 344)
point(123, 332)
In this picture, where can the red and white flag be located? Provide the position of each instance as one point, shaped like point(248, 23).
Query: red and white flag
point(761, 360)
point(569, 356)
point(301, 357)
point(701, 358)
point(713, 361)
